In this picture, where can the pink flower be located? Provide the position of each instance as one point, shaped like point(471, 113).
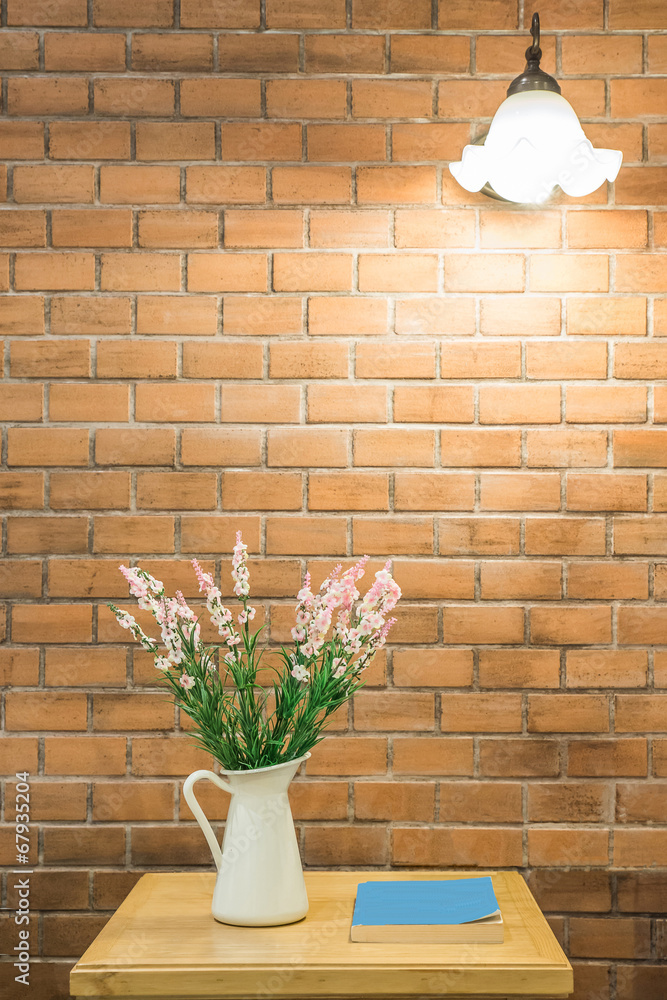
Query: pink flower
point(240, 573)
point(186, 681)
point(162, 663)
point(205, 580)
point(300, 672)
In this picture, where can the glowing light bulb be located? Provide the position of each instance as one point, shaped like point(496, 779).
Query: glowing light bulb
point(535, 144)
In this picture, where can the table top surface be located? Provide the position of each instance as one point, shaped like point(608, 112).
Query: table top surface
point(163, 941)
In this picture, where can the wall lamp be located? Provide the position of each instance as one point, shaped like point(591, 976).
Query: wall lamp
point(535, 143)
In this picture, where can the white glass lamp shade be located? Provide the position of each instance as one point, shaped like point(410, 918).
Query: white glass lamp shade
point(535, 143)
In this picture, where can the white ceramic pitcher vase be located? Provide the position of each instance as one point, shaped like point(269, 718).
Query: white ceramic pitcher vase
point(260, 879)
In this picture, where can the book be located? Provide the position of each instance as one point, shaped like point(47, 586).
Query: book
point(446, 911)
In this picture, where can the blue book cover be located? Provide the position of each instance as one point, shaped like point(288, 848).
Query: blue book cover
point(446, 901)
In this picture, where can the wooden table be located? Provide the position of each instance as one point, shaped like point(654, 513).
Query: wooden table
point(163, 942)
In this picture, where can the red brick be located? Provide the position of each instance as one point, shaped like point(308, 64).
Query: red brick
point(603, 492)
point(605, 404)
point(483, 536)
point(47, 96)
point(268, 228)
point(607, 581)
point(55, 623)
point(56, 271)
point(483, 847)
point(232, 185)
point(21, 401)
point(427, 141)
point(220, 14)
point(333, 143)
point(642, 625)
point(480, 447)
point(91, 228)
point(83, 315)
point(307, 446)
point(119, 98)
point(311, 185)
point(272, 53)
point(208, 98)
point(480, 802)
point(495, 625)
point(504, 668)
point(398, 360)
point(220, 446)
point(353, 316)
point(349, 755)
point(176, 491)
point(47, 534)
point(394, 446)
point(170, 314)
point(84, 578)
point(304, 14)
point(380, 800)
point(487, 15)
point(302, 272)
point(258, 141)
point(566, 360)
point(68, 51)
point(305, 536)
point(435, 316)
point(348, 491)
point(608, 316)
point(397, 272)
point(175, 141)
point(346, 845)
point(569, 273)
point(570, 625)
point(142, 533)
point(165, 229)
point(432, 755)
point(495, 713)
point(237, 272)
point(23, 140)
point(403, 185)
point(598, 758)
point(47, 446)
point(641, 448)
point(344, 54)
point(580, 802)
point(89, 140)
point(53, 183)
point(530, 580)
point(470, 98)
point(345, 403)
point(150, 272)
point(306, 98)
point(562, 448)
point(484, 273)
point(641, 273)
point(23, 491)
point(308, 360)
point(118, 359)
point(391, 99)
point(567, 847)
point(495, 53)
point(574, 891)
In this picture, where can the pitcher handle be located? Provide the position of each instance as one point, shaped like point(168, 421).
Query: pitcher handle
point(199, 814)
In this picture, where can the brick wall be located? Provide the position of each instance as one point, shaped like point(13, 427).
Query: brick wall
point(244, 291)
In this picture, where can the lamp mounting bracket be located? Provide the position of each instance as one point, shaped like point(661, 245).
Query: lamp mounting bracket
point(533, 78)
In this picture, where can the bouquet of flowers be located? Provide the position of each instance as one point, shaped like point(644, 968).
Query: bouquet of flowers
point(240, 723)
